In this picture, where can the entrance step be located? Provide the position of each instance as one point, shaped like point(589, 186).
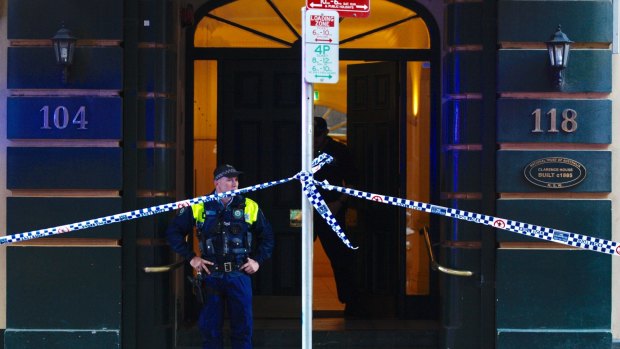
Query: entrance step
point(333, 333)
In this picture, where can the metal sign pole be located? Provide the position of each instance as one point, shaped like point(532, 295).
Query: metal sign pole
point(306, 208)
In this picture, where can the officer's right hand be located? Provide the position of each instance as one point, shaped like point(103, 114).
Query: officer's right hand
point(200, 264)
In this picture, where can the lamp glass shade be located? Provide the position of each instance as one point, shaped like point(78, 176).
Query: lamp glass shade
point(558, 47)
point(566, 49)
point(64, 46)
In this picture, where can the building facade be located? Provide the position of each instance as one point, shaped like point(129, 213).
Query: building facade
point(455, 102)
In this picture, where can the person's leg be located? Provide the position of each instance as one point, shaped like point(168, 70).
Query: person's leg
point(211, 316)
point(239, 290)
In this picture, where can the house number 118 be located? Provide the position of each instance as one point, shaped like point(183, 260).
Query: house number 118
point(568, 124)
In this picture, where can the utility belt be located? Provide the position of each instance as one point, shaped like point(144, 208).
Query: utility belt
point(225, 267)
point(229, 262)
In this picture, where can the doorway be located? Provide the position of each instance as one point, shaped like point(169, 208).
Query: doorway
point(246, 111)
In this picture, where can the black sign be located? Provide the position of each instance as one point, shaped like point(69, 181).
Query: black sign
point(555, 172)
point(64, 118)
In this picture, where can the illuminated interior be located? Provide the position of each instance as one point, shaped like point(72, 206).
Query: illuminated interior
point(249, 23)
point(277, 24)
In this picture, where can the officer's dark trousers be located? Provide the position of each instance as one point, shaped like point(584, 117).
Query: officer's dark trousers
point(236, 291)
point(341, 258)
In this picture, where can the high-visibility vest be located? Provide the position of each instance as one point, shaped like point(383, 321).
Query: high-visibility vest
point(224, 232)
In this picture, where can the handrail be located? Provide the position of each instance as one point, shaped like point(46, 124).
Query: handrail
point(437, 266)
point(164, 268)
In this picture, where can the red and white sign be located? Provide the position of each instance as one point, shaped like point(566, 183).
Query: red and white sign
point(499, 223)
point(376, 197)
point(322, 26)
point(347, 8)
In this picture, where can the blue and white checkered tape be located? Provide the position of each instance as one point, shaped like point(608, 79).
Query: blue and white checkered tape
point(132, 214)
point(531, 230)
point(309, 186)
point(316, 165)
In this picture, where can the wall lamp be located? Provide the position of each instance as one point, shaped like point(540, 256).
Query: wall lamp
point(558, 47)
point(64, 47)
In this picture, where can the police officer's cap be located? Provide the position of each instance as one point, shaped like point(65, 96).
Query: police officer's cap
point(225, 171)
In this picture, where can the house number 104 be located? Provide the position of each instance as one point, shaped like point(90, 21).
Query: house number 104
point(568, 124)
point(60, 118)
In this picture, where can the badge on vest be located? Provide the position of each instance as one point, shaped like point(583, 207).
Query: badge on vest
point(238, 213)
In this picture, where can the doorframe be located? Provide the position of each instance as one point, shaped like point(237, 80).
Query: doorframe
point(401, 56)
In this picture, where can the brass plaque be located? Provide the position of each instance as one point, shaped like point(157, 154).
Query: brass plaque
point(555, 172)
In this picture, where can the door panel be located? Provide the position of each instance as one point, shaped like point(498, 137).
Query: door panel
point(259, 124)
point(372, 127)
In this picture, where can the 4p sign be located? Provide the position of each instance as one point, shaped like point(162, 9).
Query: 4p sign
point(321, 63)
point(321, 37)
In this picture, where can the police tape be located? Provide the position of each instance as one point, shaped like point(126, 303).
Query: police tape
point(531, 230)
point(309, 187)
point(315, 198)
point(126, 216)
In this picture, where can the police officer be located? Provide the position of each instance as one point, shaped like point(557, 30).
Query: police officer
point(235, 239)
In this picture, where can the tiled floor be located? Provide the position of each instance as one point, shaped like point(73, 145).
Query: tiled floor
point(336, 333)
point(324, 294)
